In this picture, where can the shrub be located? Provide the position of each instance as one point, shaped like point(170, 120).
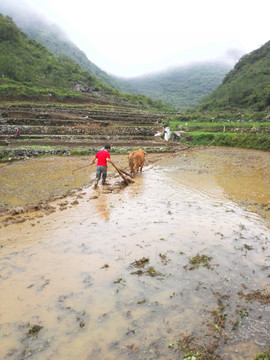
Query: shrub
point(79, 152)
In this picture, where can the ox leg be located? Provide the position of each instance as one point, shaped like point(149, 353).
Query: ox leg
point(136, 168)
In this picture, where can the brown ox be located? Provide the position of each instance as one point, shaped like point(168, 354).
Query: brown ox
point(136, 161)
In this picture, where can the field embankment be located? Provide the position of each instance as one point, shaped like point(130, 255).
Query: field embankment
point(70, 129)
point(240, 129)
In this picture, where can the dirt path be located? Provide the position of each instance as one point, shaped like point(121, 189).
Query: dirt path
point(175, 264)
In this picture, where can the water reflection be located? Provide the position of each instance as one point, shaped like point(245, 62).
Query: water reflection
point(101, 205)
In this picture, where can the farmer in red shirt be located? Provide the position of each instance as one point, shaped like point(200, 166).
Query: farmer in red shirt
point(103, 157)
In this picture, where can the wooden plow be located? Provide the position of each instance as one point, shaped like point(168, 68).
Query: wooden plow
point(122, 173)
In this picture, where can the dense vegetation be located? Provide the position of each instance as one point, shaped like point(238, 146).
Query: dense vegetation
point(246, 86)
point(263, 356)
point(182, 87)
point(30, 71)
point(55, 40)
point(241, 129)
point(236, 114)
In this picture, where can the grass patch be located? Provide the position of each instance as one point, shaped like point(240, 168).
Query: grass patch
point(231, 116)
point(261, 127)
point(152, 271)
point(6, 157)
point(37, 147)
point(198, 260)
point(141, 262)
point(19, 91)
point(34, 330)
point(245, 141)
point(81, 152)
point(201, 260)
point(263, 356)
point(256, 295)
point(239, 128)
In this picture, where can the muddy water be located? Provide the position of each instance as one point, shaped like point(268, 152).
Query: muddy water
point(240, 175)
point(30, 181)
point(70, 287)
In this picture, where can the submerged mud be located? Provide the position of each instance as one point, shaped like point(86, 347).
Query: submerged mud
point(176, 263)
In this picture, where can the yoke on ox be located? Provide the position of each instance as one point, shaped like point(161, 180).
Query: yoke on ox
point(136, 161)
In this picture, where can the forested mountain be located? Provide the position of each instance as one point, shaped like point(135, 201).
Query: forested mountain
point(246, 86)
point(30, 71)
point(26, 61)
point(182, 87)
point(51, 36)
point(36, 27)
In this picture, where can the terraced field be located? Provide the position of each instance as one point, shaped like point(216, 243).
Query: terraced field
point(78, 126)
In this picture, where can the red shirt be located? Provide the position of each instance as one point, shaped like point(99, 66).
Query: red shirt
point(102, 156)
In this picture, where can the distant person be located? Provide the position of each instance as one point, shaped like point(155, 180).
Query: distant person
point(17, 133)
point(103, 157)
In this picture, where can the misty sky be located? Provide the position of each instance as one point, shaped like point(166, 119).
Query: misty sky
point(133, 37)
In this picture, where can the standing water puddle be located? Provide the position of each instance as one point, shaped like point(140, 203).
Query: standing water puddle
point(172, 264)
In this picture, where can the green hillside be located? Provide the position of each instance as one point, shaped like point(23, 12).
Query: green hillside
point(246, 86)
point(55, 40)
point(182, 87)
point(27, 62)
point(236, 114)
point(30, 71)
point(38, 28)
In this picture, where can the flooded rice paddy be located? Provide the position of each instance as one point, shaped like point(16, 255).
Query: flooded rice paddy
point(177, 264)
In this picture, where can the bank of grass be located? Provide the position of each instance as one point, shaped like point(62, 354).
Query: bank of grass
point(80, 152)
point(240, 128)
point(263, 356)
point(38, 147)
point(225, 116)
point(85, 152)
point(34, 93)
point(244, 141)
point(6, 156)
point(77, 105)
point(230, 126)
